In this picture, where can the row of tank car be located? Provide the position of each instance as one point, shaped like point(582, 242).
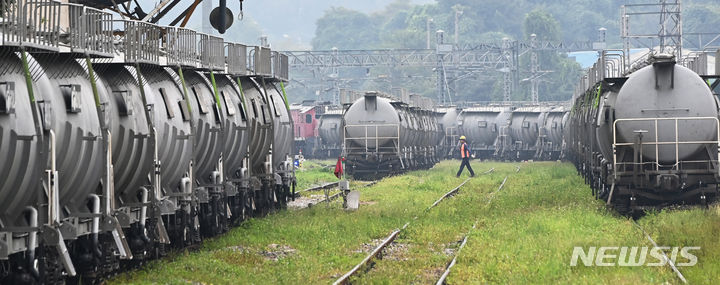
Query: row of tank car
point(646, 135)
point(512, 131)
point(120, 140)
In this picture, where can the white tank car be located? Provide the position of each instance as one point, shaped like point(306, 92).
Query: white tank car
point(684, 96)
point(383, 136)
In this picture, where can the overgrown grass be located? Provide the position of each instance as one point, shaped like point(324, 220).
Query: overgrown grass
point(327, 240)
point(314, 172)
point(528, 233)
point(525, 235)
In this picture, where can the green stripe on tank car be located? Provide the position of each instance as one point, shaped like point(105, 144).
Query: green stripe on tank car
point(242, 95)
point(93, 84)
point(287, 105)
point(597, 98)
point(28, 77)
point(217, 95)
point(185, 91)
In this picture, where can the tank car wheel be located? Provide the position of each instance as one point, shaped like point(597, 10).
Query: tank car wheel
point(51, 271)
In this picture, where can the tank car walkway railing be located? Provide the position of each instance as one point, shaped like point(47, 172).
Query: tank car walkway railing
point(656, 143)
point(372, 136)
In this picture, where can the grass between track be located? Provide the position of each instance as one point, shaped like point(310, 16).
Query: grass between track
point(525, 235)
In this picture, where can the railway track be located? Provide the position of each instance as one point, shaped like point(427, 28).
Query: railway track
point(377, 251)
point(668, 261)
point(328, 186)
point(452, 262)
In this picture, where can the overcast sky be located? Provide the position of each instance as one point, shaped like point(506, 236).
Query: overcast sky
point(289, 24)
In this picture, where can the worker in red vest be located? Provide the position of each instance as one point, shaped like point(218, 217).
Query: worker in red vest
point(465, 154)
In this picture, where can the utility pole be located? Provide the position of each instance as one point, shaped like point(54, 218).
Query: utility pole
point(670, 24)
point(429, 20)
point(440, 68)
point(335, 78)
point(507, 69)
point(457, 22)
point(534, 68)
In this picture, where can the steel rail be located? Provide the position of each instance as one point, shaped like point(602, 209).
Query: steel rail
point(376, 252)
point(668, 260)
point(452, 263)
point(320, 187)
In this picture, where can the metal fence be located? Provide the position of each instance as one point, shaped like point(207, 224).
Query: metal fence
point(654, 143)
point(370, 141)
point(236, 59)
point(89, 30)
point(180, 46)
point(212, 52)
point(260, 62)
point(279, 66)
point(34, 24)
point(141, 41)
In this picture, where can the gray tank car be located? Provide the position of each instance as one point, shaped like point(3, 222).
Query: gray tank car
point(447, 118)
point(550, 139)
point(480, 125)
point(649, 139)
point(383, 137)
point(122, 144)
point(330, 133)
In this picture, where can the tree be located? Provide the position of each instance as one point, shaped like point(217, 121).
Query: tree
point(542, 24)
point(345, 29)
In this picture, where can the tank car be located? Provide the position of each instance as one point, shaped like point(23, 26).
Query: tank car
point(383, 136)
point(480, 126)
point(123, 142)
point(523, 131)
point(330, 133)
point(550, 138)
point(649, 139)
point(448, 124)
point(283, 142)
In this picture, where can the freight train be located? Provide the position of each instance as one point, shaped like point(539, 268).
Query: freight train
point(122, 139)
point(515, 131)
point(646, 137)
point(383, 135)
point(318, 129)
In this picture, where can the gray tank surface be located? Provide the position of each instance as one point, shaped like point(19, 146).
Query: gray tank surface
point(603, 123)
point(21, 164)
point(447, 119)
point(283, 138)
point(479, 125)
point(172, 123)
point(131, 135)
point(381, 119)
point(69, 110)
point(552, 127)
point(525, 125)
point(330, 128)
point(208, 126)
point(235, 126)
point(260, 124)
point(679, 93)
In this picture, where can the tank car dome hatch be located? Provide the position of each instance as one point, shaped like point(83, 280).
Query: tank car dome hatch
point(679, 93)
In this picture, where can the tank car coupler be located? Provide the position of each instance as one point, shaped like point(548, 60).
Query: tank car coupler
point(667, 182)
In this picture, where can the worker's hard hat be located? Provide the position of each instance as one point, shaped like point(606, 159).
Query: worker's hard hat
point(462, 137)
